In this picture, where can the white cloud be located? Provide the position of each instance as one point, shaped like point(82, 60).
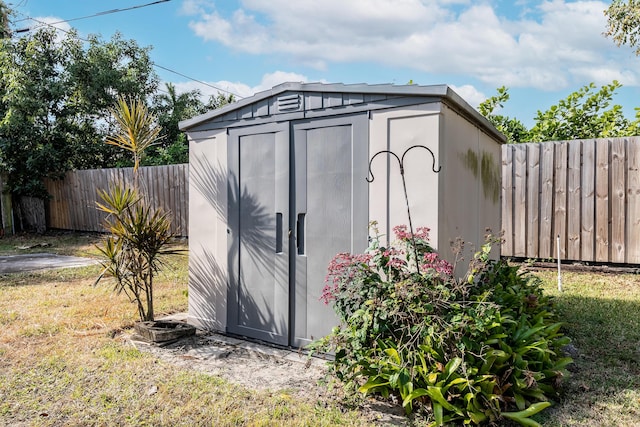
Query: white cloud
point(193, 7)
point(273, 79)
point(43, 22)
point(548, 45)
point(470, 94)
point(240, 89)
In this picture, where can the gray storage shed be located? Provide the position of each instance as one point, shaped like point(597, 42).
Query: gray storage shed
point(277, 187)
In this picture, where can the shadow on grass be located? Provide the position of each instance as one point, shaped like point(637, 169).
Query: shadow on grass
point(604, 386)
point(43, 277)
point(54, 241)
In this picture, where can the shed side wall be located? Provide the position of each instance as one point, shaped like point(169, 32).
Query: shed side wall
point(208, 256)
point(397, 130)
point(470, 186)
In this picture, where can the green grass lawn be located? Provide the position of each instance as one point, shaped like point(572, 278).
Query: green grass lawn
point(63, 361)
point(602, 315)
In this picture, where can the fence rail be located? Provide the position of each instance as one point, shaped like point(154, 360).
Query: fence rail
point(585, 191)
point(73, 200)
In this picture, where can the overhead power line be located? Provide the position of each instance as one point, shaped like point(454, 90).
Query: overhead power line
point(197, 81)
point(106, 12)
point(52, 25)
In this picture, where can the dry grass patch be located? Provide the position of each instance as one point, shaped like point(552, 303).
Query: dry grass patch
point(64, 361)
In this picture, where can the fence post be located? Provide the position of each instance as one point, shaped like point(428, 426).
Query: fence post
point(6, 209)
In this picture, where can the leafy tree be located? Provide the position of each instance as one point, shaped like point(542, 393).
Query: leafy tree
point(219, 101)
point(55, 99)
point(171, 108)
point(623, 23)
point(585, 113)
point(4, 21)
point(36, 122)
point(512, 128)
point(99, 74)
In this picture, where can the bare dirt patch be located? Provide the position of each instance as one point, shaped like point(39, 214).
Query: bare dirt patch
point(261, 367)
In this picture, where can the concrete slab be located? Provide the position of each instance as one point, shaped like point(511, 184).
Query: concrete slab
point(42, 261)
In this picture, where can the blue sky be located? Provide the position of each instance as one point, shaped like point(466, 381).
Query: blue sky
point(541, 50)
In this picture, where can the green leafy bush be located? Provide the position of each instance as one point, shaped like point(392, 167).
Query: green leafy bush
point(478, 350)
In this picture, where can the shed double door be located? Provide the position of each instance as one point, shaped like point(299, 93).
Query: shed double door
point(297, 196)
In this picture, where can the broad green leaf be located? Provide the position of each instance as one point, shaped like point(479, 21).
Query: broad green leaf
point(393, 354)
point(437, 413)
point(477, 417)
point(373, 383)
point(419, 392)
point(530, 411)
point(521, 402)
point(436, 395)
point(452, 366)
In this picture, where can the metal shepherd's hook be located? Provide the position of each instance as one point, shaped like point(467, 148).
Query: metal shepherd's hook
point(404, 187)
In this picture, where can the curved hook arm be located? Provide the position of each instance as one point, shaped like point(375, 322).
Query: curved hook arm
point(376, 155)
point(433, 156)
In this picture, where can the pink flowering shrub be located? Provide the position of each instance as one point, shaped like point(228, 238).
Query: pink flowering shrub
point(459, 351)
point(392, 264)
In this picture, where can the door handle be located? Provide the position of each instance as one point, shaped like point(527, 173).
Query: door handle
point(278, 232)
point(300, 233)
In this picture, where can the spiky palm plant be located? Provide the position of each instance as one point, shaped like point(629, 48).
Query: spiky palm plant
point(138, 235)
point(137, 128)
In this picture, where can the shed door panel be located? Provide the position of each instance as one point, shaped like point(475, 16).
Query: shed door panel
point(330, 212)
point(258, 250)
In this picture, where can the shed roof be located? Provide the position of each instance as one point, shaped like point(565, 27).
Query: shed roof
point(335, 96)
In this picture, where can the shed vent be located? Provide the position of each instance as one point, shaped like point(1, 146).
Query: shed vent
point(289, 103)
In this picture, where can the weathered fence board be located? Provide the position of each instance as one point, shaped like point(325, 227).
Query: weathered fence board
point(573, 201)
point(507, 199)
point(533, 188)
point(617, 191)
point(602, 201)
point(632, 242)
point(546, 201)
point(520, 201)
point(585, 191)
point(588, 208)
point(72, 205)
point(560, 201)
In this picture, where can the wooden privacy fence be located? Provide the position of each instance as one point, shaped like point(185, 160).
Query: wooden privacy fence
point(585, 191)
point(73, 200)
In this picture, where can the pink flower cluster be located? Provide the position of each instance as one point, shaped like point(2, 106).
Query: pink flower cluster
point(402, 233)
point(433, 261)
point(396, 258)
point(343, 268)
point(390, 264)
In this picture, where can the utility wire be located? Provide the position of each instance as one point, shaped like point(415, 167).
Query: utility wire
point(197, 81)
point(152, 63)
point(106, 12)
